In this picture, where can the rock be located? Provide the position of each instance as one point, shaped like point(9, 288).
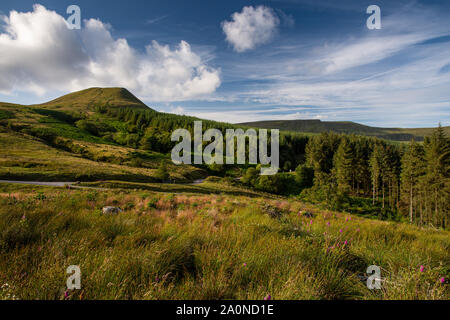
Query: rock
point(111, 210)
point(272, 211)
point(308, 214)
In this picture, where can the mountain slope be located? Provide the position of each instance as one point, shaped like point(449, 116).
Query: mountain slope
point(318, 126)
point(97, 97)
point(72, 138)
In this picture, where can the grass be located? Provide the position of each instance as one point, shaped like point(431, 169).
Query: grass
point(24, 157)
point(206, 187)
point(215, 246)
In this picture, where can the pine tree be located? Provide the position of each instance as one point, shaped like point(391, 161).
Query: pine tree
point(375, 166)
point(344, 165)
point(436, 180)
point(413, 167)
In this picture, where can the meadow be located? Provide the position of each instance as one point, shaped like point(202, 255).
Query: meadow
point(341, 204)
point(188, 245)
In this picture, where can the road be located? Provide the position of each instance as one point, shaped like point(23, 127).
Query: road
point(71, 184)
point(40, 183)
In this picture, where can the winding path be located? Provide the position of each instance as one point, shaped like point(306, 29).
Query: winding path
point(73, 184)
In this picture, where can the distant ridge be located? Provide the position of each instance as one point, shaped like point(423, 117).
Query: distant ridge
point(96, 97)
point(348, 127)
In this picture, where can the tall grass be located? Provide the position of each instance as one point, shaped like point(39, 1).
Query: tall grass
point(174, 246)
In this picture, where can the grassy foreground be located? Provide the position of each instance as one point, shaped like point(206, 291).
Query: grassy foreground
point(221, 246)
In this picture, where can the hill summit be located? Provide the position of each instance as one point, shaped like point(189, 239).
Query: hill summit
point(97, 97)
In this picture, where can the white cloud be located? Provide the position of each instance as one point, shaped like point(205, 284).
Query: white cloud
point(178, 110)
point(251, 27)
point(388, 77)
point(40, 54)
point(241, 116)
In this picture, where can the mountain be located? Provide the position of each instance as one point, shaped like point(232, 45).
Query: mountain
point(348, 127)
point(81, 136)
point(96, 97)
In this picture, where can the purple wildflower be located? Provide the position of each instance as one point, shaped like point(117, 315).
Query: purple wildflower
point(268, 297)
point(442, 280)
point(422, 268)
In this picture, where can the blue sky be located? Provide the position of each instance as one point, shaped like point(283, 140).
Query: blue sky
point(238, 61)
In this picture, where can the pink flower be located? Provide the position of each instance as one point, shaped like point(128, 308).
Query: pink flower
point(268, 297)
point(340, 230)
point(422, 268)
point(310, 222)
point(328, 223)
point(244, 264)
point(24, 217)
point(357, 230)
point(442, 280)
point(66, 293)
point(345, 242)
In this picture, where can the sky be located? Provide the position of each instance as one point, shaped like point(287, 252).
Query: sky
point(238, 61)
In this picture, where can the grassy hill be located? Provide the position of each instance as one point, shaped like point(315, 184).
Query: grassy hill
point(96, 97)
point(348, 127)
point(68, 139)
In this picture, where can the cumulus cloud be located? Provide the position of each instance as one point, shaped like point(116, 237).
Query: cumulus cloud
point(40, 54)
point(251, 27)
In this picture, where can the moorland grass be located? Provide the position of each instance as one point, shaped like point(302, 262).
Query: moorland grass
point(183, 246)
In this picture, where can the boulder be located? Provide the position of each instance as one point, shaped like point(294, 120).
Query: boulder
point(111, 210)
